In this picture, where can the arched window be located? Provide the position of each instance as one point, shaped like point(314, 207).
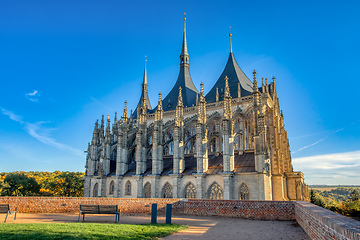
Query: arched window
point(128, 188)
point(212, 145)
point(190, 139)
point(147, 190)
point(190, 191)
point(244, 192)
point(95, 190)
point(112, 188)
point(215, 191)
point(168, 142)
point(167, 191)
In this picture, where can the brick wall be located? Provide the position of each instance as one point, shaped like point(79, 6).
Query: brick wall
point(267, 210)
point(68, 204)
point(320, 223)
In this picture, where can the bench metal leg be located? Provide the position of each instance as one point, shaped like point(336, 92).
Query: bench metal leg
point(15, 214)
point(6, 216)
point(83, 217)
point(79, 216)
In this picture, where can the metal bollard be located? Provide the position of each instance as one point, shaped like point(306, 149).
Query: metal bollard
point(153, 213)
point(168, 213)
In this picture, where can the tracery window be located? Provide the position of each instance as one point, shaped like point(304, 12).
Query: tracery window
point(215, 191)
point(95, 190)
point(237, 131)
point(212, 145)
point(190, 140)
point(128, 188)
point(190, 191)
point(244, 192)
point(147, 190)
point(169, 143)
point(112, 188)
point(167, 191)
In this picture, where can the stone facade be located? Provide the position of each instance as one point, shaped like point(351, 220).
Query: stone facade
point(228, 144)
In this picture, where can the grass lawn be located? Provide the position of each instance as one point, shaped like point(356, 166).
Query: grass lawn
point(86, 231)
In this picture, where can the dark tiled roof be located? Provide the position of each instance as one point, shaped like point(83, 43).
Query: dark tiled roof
point(235, 75)
point(189, 91)
point(243, 163)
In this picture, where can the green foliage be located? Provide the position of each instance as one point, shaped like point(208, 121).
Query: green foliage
point(86, 231)
point(17, 184)
point(341, 200)
point(68, 184)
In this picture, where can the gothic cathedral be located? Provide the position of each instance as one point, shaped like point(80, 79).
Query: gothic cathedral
point(228, 144)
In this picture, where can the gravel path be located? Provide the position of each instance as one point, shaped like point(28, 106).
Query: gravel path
point(209, 228)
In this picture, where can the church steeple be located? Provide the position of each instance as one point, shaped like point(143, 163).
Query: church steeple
point(184, 81)
point(184, 56)
point(236, 78)
point(144, 93)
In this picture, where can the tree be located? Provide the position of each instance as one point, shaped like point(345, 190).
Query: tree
point(17, 184)
point(354, 195)
point(68, 184)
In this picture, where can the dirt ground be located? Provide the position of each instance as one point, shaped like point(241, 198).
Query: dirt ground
point(209, 228)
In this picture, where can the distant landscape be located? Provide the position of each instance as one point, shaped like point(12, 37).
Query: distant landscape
point(343, 199)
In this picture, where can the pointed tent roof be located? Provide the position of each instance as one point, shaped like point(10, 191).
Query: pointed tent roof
point(184, 81)
point(144, 93)
point(235, 75)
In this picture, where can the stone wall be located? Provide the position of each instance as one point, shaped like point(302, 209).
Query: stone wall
point(320, 223)
point(267, 210)
point(72, 204)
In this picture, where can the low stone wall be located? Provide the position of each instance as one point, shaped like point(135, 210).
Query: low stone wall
point(320, 223)
point(70, 204)
point(270, 210)
point(266, 210)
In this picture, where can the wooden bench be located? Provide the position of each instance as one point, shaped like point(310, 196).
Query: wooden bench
point(99, 209)
point(5, 208)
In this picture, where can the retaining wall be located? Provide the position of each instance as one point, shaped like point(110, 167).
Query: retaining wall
point(320, 223)
point(317, 222)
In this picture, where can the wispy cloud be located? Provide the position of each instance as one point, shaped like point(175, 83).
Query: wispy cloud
point(33, 96)
point(101, 104)
point(12, 116)
point(41, 133)
point(337, 168)
point(318, 141)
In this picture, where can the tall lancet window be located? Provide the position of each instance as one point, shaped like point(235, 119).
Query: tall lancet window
point(244, 192)
point(128, 188)
point(167, 191)
point(168, 142)
point(190, 191)
point(215, 192)
point(95, 190)
point(147, 190)
point(190, 139)
point(112, 188)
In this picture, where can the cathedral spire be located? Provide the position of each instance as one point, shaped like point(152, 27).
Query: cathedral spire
point(145, 74)
point(107, 135)
point(202, 106)
point(255, 85)
point(179, 110)
point(159, 110)
point(184, 81)
point(125, 118)
point(144, 93)
point(227, 101)
point(230, 39)
point(184, 56)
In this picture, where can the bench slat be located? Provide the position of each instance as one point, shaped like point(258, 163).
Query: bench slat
point(108, 209)
point(89, 209)
point(4, 208)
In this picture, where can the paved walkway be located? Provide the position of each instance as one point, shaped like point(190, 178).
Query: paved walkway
point(209, 228)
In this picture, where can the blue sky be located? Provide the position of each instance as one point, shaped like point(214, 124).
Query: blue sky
point(65, 63)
